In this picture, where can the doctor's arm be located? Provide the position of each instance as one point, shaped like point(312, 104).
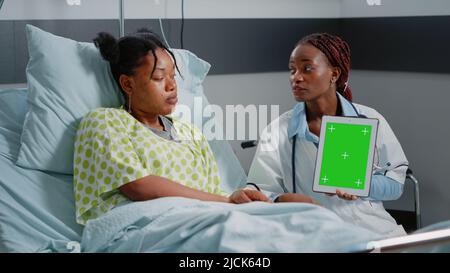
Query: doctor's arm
point(384, 188)
point(387, 181)
point(265, 175)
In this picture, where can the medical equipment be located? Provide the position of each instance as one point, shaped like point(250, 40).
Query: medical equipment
point(122, 22)
point(121, 18)
point(429, 241)
point(182, 25)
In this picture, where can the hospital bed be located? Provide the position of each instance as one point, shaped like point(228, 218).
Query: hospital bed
point(37, 214)
point(425, 241)
point(37, 210)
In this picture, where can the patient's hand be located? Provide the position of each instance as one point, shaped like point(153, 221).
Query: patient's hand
point(247, 195)
point(343, 195)
point(297, 197)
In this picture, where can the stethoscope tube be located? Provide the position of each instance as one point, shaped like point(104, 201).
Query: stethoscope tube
point(294, 140)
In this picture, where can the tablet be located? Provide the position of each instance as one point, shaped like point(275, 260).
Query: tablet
point(345, 155)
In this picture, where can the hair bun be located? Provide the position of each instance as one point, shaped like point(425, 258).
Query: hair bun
point(108, 46)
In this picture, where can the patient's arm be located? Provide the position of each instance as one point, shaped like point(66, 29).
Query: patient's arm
point(152, 186)
point(247, 195)
point(296, 197)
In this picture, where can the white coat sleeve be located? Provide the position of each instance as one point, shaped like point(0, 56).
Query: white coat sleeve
point(391, 157)
point(266, 171)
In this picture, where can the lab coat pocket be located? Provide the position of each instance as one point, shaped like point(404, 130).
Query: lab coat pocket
point(375, 208)
point(367, 207)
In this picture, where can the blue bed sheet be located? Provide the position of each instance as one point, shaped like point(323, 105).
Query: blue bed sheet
point(36, 208)
point(175, 224)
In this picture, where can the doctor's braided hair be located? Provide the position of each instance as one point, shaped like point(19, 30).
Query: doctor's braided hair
point(125, 54)
point(337, 52)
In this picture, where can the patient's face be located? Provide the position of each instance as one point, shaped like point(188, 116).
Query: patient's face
point(310, 73)
point(155, 94)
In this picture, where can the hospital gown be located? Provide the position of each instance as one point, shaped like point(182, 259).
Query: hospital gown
point(112, 148)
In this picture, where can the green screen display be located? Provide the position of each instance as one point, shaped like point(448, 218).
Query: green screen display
point(345, 155)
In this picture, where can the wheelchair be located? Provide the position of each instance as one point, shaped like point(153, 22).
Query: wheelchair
point(410, 220)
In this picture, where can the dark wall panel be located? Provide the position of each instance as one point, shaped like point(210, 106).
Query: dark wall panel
point(419, 44)
point(6, 52)
point(240, 45)
point(415, 44)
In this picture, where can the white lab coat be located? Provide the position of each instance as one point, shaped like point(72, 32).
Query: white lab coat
point(271, 170)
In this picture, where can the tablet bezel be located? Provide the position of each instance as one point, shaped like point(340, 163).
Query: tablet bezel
point(346, 120)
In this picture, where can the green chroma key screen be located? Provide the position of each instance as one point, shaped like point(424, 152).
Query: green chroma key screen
point(345, 155)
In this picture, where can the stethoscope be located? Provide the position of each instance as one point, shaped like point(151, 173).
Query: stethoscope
point(388, 166)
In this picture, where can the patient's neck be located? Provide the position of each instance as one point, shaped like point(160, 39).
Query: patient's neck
point(151, 120)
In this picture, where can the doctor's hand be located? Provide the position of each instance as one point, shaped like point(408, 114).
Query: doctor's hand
point(344, 195)
point(247, 195)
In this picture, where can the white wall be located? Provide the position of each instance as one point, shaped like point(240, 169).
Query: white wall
point(361, 8)
point(58, 9)
point(416, 106)
point(109, 9)
point(145, 9)
point(236, 9)
point(249, 89)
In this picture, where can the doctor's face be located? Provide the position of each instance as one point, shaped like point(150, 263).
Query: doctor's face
point(310, 73)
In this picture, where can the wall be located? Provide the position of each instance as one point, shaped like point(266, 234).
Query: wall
point(210, 27)
point(145, 9)
point(390, 8)
point(415, 104)
point(247, 89)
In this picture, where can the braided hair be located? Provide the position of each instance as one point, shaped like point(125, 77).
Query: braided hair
point(126, 54)
point(337, 52)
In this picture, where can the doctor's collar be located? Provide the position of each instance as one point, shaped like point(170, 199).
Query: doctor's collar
point(298, 124)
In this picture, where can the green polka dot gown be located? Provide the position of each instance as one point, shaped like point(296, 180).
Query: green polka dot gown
point(112, 148)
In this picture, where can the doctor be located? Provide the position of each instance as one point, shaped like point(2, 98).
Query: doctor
point(319, 71)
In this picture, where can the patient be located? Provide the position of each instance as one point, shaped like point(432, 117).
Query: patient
point(137, 152)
